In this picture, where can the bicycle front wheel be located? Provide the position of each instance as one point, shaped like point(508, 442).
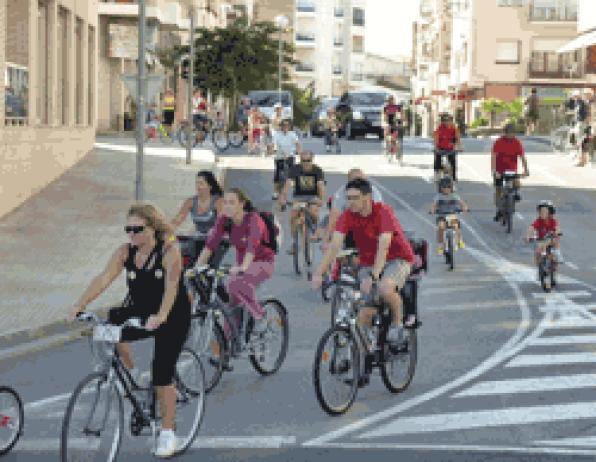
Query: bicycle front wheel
point(336, 370)
point(190, 398)
point(94, 421)
point(399, 366)
point(207, 341)
point(269, 350)
point(11, 419)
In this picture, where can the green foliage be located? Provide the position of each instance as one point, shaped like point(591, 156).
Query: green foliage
point(516, 112)
point(493, 106)
point(479, 122)
point(304, 103)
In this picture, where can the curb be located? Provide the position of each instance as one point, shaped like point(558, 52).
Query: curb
point(61, 332)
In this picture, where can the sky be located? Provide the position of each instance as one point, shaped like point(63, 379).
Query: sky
point(383, 17)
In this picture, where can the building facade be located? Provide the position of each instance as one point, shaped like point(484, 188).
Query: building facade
point(496, 49)
point(168, 24)
point(48, 103)
point(329, 39)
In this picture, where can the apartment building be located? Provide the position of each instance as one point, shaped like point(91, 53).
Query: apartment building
point(330, 45)
point(502, 49)
point(48, 102)
point(168, 24)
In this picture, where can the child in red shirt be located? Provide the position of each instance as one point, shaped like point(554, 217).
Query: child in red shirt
point(545, 223)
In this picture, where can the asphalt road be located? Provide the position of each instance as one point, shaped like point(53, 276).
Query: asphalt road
point(504, 373)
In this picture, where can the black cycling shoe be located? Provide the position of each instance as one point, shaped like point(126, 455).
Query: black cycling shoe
point(517, 197)
point(497, 216)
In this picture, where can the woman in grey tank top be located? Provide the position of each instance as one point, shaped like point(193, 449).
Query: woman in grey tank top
point(203, 207)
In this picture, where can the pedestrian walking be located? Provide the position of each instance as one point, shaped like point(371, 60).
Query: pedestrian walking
point(531, 112)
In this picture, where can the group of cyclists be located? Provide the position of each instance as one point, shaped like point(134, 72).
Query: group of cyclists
point(358, 218)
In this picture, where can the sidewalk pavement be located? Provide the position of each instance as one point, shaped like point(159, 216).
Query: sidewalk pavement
point(58, 240)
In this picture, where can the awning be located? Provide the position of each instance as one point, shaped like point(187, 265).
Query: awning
point(582, 41)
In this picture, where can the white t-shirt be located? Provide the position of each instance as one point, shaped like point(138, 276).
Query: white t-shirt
point(285, 143)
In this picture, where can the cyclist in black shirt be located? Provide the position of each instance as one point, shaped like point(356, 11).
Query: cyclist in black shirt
point(308, 181)
point(157, 295)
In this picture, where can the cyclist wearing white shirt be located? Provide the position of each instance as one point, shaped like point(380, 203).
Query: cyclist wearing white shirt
point(286, 146)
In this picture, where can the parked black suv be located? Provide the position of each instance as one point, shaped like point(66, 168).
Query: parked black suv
point(362, 112)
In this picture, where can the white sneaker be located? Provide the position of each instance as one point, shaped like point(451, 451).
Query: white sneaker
point(167, 444)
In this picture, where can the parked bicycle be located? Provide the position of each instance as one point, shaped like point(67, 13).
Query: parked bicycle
point(12, 419)
point(547, 266)
point(94, 420)
point(510, 194)
point(211, 312)
point(337, 370)
point(302, 237)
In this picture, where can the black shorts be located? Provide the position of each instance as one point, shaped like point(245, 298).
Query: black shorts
point(279, 165)
point(168, 343)
point(168, 117)
point(437, 164)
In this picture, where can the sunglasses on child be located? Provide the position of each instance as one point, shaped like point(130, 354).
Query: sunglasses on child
point(134, 229)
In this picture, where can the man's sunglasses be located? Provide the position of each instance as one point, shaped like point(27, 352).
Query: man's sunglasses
point(134, 229)
point(306, 161)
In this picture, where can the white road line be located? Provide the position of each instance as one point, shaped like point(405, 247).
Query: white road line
point(565, 340)
point(506, 351)
point(259, 442)
point(554, 179)
point(483, 419)
point(572, 265)
point(53, 444)
point(566, 293)
point(552, 359)
point(531, 385)
point(586, 442)
point(463, 448)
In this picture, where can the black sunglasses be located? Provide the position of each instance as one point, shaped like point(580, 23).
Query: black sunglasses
point(134, 229)
point(307, 161)
point(353, 198)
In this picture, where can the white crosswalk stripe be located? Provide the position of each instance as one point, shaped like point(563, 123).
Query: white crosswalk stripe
point(533, 381)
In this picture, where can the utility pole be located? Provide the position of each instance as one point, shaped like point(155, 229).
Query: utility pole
point(191, 79)
point(140, 103)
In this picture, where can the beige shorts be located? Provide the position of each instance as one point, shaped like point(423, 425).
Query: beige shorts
point(397, 271)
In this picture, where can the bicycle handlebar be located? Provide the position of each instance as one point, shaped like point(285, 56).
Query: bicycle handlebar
point(92, 317)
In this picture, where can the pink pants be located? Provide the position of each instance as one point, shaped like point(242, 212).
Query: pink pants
point(242, 288)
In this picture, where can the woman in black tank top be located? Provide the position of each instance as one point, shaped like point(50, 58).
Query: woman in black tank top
point(156, 294)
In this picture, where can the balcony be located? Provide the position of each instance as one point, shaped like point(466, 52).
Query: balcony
point(170, 16)
point(562, 12)
point(305, 7)
point(537, 70)
point(338, 43)
point(305, 39)
point(304, 68)
point(337, 70)
point(338, 12)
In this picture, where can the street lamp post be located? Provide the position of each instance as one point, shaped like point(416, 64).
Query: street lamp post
point(281, 22)
point(140, 103)
point(191, 78)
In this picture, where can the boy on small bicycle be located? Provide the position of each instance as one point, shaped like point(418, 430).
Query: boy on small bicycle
point(331, 130)
point(544, 224)
point(445, 204)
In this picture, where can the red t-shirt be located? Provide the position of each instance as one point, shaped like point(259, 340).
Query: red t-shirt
point(366, 232)
point(544, 226)
point(507, 150)
point(446, 137)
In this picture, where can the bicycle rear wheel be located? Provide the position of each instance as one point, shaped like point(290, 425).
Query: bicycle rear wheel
point(336, 370)
point(220, 140)
point(190, 398)
point(307, 247)
point(11, 419)
point(397, 371)
point(94, 421)
point(236, 138)
point(270, 349)
point(450, 252)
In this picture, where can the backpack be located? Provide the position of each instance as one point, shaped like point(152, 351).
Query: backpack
point(272, 229)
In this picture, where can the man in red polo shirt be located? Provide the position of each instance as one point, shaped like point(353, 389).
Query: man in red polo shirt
point(446, 138)
point(505, 154)
point(385, 253)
